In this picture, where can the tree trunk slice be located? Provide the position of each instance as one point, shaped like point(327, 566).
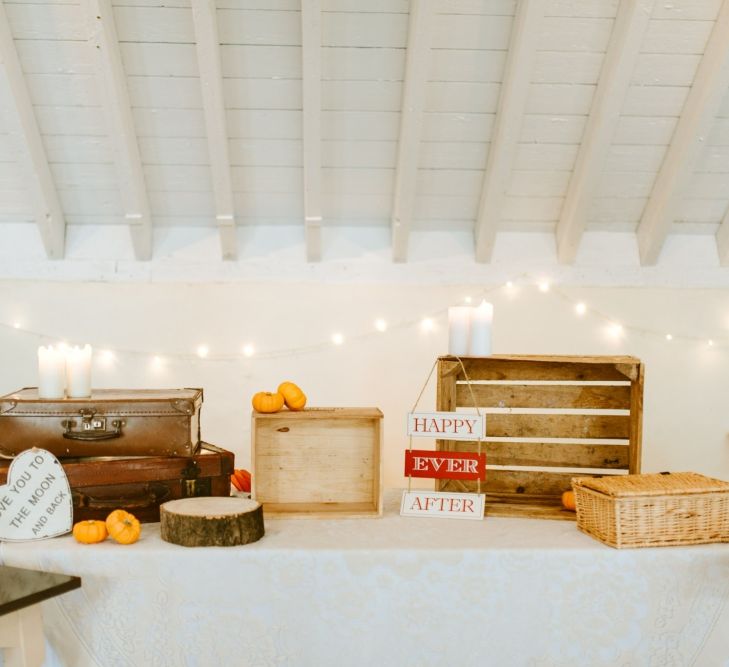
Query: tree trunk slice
point(211, 522)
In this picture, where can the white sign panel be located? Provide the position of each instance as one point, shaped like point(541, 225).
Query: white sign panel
point(447, 425)
point(443, 505)
point(36, 501)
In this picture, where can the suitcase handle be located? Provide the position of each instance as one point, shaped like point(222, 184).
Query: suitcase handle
point(151, 495)
point(92, 435)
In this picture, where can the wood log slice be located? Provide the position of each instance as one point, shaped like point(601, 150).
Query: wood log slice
point(211, 522)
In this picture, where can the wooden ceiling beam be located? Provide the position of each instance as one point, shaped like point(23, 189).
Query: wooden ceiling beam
point(211, 82)
point(702, 104)
point(311, 119)
point(122, 133)
point(617, 70)
point(411, 124)
point(507, 125)
point(24, 129)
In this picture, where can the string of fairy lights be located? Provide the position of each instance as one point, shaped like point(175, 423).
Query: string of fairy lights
point(426, 323)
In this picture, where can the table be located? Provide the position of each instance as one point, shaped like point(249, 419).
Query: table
point(389, 591)
point(21, 622)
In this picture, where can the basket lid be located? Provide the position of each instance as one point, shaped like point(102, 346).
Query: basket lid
point(654, 484)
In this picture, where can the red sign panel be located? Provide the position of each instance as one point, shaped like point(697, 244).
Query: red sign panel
point(445, 465)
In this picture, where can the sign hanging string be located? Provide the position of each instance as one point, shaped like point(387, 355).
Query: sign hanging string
point(475, 405)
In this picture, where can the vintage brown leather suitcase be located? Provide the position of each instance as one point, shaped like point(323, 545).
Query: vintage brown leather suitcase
point(140, 485)
point(112, 422)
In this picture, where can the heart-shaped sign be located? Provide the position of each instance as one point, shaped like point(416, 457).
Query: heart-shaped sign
point(36, 502)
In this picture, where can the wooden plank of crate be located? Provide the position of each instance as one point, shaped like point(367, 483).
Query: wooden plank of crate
point(496, 368)
point(615, 397)
point(529, 511)
point(524, 483)
point(636, 420)
point(554, 454)
point(378, 467)
point(557, 426)
point(321, 510)
point(321, 413)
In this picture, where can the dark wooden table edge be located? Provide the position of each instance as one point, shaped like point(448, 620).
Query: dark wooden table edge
point(35, 598)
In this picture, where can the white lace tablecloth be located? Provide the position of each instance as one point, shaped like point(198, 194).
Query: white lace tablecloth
point(389, 591)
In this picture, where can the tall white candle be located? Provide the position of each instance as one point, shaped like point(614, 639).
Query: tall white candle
point(481, 320)
point(459, 325)
point(78, 372)
point(51, 372)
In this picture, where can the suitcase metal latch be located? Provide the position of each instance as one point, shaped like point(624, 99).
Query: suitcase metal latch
point(91, 427)
point(191, 485)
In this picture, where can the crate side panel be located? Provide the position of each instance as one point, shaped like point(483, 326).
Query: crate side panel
point(316, 461)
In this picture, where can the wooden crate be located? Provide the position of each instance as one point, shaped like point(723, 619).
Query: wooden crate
point(320, 462)
point(549, 418)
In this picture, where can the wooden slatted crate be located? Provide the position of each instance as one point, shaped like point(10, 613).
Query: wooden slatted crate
point(318, 463)
point(549, 418)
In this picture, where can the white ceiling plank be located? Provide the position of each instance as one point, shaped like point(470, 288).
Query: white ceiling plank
point(507, 127)
point(617, 70)
point(47, 209)
point(411, 124)
point(211, 81)
point(689, 137)
point(311, 36)
point(122, 133)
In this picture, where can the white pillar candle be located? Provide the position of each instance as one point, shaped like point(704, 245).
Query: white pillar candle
point(481, 320)
point(459, 325)
point(51, 372)
point(78, 372)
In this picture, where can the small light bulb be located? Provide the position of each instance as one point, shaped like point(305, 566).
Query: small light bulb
point(669, 337)
point(467, 299)
point(544, 286)
point(509, 284)
point(16, 325)
point(337, 339)
point(106, 357)
point(249, 350)
point(580, 308)
point(616, 330)
point(427, 324)
point(157, 361)
point(710, 343)
point(203, 351)
point(380, 324)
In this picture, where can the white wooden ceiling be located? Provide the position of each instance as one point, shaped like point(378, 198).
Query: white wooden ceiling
point(484, 115)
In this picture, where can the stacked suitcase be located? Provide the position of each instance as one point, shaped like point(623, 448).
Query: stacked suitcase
point(128, 449)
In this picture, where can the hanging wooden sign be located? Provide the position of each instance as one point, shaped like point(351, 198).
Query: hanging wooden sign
point(445, 465)
point(36, 501)
point(446, 425)
point(443, 505)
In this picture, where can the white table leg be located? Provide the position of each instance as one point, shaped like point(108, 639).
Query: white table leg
point(21, 635)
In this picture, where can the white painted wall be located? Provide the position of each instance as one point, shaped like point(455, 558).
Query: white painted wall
point(686, 419)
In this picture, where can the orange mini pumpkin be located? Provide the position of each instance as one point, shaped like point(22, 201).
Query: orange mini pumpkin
point(241, 480)
point(90, 531)
point(294, 398)
point(568, 501)
point(123, 527)
point(265, 401)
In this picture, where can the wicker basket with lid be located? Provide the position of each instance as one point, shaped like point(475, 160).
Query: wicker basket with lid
point(653, 510)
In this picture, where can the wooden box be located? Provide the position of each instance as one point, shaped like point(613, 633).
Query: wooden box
point(320, 462)
point(548, 419)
